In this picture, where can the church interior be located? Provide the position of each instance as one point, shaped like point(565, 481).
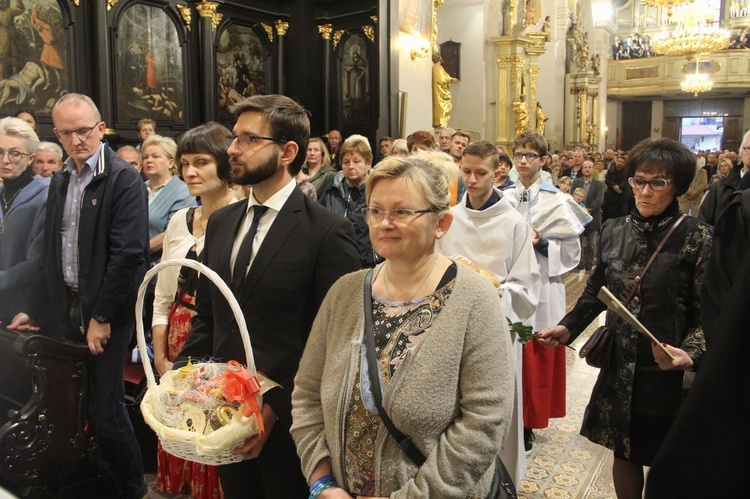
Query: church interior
point(598, 74)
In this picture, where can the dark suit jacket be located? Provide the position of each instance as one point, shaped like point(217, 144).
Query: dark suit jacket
point(594, 200)
point(306, 250)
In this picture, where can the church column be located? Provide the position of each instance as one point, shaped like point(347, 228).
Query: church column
point(583, 115)
point(533, 75)
point(209, 20)
point(325, 31)
point(281, 29)
point(595, 121)
point(102, 81)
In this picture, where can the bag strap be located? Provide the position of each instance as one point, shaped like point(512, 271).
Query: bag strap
point(639, 278)
point(373, 369)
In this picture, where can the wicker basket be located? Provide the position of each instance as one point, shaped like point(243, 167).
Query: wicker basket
point(216, 447)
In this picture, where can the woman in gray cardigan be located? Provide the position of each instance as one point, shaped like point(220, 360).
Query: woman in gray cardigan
point(442, 346)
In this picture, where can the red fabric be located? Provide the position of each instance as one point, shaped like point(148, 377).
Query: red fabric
point(173, 474)
point(178, 476)
point(543, 384)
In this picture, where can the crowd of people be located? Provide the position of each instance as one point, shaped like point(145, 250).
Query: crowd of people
point(382, 290)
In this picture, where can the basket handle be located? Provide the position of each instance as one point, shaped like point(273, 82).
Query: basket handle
point(213, 277)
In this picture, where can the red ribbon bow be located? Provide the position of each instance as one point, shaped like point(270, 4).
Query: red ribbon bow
point(238, 385)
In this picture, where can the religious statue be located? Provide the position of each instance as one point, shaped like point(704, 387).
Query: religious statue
point(590, 132)
point(522, 114)
point(530, 13)
point(441, 93)
point(596, 64)
point(541, 119)
point(546, 26)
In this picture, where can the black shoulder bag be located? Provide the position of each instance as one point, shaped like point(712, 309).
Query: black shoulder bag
point(598, 348)
point(502, 484)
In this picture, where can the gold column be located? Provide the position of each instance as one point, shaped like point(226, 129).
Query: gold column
point(594, 119)
point(208, 10)
point(582, 104)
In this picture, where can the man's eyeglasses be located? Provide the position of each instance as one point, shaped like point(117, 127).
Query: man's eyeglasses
point(656, 184)
point(13, 156)
point(246, 140)
point(82, 133)
point(375, 216)
point(747, 149)
point(530, 156)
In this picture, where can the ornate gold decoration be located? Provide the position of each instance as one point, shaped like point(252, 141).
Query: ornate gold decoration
point(187, 15)
point(325, 31)
point(269, 31)
point(337, 37)
point(110, 4)
point(208, 9)
point(695, 33)
point(77, 2)
point(369, 32)
point(433, 41)
point(511, 22)
point(504, 62)
point(374, 19)
point(533, 75)
point(281, 27)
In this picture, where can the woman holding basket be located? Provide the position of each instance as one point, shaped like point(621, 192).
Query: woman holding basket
point(204, 165)
point(439, 345)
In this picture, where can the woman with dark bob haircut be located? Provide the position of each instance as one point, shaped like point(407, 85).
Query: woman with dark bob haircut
point(637, 396)
point(204, 165)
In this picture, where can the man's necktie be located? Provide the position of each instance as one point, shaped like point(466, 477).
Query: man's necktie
point(246, 249)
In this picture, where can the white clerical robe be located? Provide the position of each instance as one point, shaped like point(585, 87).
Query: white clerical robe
point(498, 240)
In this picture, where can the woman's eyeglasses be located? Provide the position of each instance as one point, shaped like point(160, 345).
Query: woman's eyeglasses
point(375, 216)
point(656, 184)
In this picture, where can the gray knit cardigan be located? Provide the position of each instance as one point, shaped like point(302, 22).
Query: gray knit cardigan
point(453, 396)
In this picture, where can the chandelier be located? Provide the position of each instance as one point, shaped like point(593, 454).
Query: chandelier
point(695, 33)
point(669, 4)
point(697, 82)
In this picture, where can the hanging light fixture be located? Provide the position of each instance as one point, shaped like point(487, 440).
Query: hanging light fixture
point(697, 82)
point(695, 33)
point(669, 4)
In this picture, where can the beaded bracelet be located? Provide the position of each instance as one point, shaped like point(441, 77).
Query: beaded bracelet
point(321, 484)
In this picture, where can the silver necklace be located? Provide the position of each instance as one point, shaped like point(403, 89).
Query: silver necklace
point(388, 289)
point(6, 204)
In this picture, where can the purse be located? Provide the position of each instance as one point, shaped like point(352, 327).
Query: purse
point(598, 348)
point(502, 485)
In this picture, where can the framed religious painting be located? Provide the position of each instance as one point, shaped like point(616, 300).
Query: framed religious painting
point(33, 55)
point(149, 66)
point(450, 51)
point(243, 66)
point(354, 75)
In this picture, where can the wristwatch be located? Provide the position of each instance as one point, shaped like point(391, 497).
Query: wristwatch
point(100, 319)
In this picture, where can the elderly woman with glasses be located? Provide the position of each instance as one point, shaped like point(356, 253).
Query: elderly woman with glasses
point(441, 347)
point(637, 396)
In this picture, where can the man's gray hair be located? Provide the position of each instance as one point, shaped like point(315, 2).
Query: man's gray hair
point(51, 147)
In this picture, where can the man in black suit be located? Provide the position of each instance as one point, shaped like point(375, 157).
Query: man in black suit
point(595, 190)
point(296, 250)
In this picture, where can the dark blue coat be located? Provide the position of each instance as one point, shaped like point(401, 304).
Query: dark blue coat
point(113, 243)
point(21, 247)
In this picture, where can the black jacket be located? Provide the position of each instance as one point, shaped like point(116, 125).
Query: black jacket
point(717, 196)
point(338, 196)
point(113, 243)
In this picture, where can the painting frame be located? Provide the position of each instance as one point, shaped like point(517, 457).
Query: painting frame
point(248, 52)
point(152, 67)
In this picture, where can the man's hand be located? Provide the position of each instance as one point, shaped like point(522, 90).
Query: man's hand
point(97, 336)
point(617, 189)
point(23, 323)
point(252, 447)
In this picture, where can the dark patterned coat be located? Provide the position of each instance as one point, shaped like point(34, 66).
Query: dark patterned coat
point(667, 304)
